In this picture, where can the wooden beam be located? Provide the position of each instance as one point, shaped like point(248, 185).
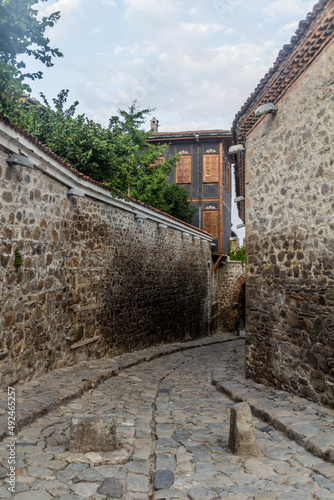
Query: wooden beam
point(217, 263)
point(85, 342)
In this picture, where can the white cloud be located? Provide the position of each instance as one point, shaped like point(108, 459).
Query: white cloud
point(282, 8)
point(137, 49)
point(95, 30)
point(70, 12)
point(109, 3)
point(172, 55)
point(152, 16)
point(64, 6)
point(150, 9)
point(202, 88)
point(103, 54)
point(289, 28)
point(147, 6)
point(200, 27)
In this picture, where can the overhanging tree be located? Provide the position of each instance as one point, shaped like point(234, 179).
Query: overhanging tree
point(22, 33)
point(118, 155)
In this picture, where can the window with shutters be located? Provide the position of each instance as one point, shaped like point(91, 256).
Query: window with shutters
point(211, 223)
point(183, 170)
point(159, 161)
point(210, 168)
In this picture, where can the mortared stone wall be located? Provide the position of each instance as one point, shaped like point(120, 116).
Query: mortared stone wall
point(290, 238)
point(95, 275)
point(231, 295)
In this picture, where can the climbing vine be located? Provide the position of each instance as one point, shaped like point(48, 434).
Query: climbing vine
point(18, 259)
point(238, 254)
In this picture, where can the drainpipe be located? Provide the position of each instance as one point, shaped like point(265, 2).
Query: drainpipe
point(199, 181)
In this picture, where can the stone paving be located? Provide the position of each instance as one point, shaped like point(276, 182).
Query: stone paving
point(310, 424)
point(172, 432)
point(38, 396)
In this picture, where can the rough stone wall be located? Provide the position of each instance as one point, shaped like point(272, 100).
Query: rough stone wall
point(91, 269)
point(234, 244)
point(231, 278)
point(290, 239)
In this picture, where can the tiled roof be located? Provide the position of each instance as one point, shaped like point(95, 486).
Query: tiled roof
point(191, 133)
point(30, 100)
point(80, 175)
point(311, 37)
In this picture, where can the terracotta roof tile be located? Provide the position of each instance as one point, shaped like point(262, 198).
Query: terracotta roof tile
point(191, 133)
point(312, 36)
point(310, 39)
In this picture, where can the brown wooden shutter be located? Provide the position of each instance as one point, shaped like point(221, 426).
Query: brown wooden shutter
point(160, 161)
point(211, 223)
point(210, 168)
point(183, 170)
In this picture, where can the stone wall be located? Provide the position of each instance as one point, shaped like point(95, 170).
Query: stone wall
point(110, 274)
point(231, 279)
point(290, 238)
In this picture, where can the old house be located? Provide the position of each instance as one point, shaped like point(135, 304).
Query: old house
point(286, 177)
point(204, 170)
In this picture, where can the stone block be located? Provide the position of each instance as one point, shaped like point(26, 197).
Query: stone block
point(111, 487)
point(201, 493)
point(242, 439)
point(249, 177)
point(163, 479)
point(93, 434)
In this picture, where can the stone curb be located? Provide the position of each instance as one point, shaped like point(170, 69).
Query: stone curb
point(41, 395)
point(309, 424)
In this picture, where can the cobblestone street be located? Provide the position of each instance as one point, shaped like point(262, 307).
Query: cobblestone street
point(172, 432)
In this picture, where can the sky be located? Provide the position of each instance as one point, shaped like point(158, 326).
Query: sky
point(194, 61)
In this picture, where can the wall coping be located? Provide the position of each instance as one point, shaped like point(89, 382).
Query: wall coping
point(17, 141)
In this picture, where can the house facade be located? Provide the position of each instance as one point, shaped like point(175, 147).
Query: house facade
point(204, 170)
point(286, 175)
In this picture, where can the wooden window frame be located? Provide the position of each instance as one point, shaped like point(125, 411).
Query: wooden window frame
point(159, 161)
point(212, 176)
point(207, 224)
point(181, 176)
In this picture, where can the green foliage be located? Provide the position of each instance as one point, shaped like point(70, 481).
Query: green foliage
point(179, 206)
point(22, 33)
point(86, 145)
point(18, 259)
point(238, 254)
point(117, 155)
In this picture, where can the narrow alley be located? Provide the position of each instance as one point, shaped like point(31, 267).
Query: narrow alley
point(172, 432)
